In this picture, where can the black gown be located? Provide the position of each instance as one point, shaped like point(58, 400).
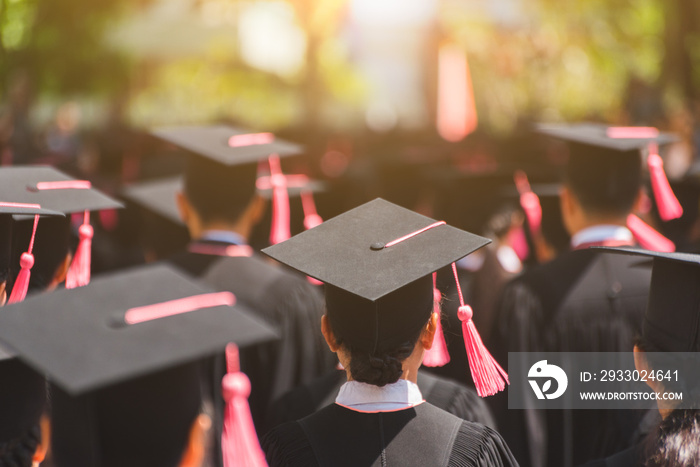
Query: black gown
point(422, 436)
point(447, 395)
point(282, 299)
point(632, 457)
point(582, 301)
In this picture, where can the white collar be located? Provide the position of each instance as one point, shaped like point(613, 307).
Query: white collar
point(601, 233)
point(363, 397)
point(224, 236)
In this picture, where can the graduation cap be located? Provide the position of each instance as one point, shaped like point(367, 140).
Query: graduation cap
point(57, 191)
point(7, 210)
point(227, 145)
point(231, 147)
point(595, 148)
point(376, 261)
point(672, 319)
point(122, 353)
point(158, 196)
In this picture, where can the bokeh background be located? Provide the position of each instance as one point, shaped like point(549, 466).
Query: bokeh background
point(377, 90)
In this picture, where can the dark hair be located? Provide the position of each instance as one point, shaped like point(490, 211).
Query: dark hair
point(676, 441)
point(218, 192)
point(380, 368)
point(603, 181)
point(51, 245)
point(19, 452)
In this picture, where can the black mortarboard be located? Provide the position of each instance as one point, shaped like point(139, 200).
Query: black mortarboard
point(347, 254)
point(225, 159)
point(672, 319)
point(78, 336)
point(377, 261)
point(226, 145)
point(605, 137)
point(55, 190)
point(126, 393)
point(24, 185)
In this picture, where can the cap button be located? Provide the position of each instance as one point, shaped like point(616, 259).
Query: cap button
point(376, 246)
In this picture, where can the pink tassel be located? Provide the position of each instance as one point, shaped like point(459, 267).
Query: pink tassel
point(79, 270)
point(529, 201)
point(669, 207)
point(437, 355)
point(518, 241)
point(280, 203)
point(239, 443)
point(311, 217)
point(489, 378)
point(666, 201)
point(647, 237)
point(26, 262)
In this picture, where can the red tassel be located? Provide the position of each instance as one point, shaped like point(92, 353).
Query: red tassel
point(437, 355)
point(518, 241)
point(239, 442)
point(280, 203)
point(489, 378)
point(666, 201)
point(79, 270)
point(26, 262)
point(647, 237)
point(529, 201)
point(311, 217)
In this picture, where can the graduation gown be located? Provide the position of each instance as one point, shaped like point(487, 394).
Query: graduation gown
point(447, 395)
point(421, 435)
point(632, 457)
point(282, 299)
point(582, 301)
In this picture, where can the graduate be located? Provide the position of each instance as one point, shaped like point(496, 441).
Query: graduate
point(48, 239)
point(220, 206)
point(23, 427)
point(377, 262)
point(123, 356)
point(583, 300)
point(671, 324)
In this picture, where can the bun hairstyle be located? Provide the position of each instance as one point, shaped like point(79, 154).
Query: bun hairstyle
point(381, 368)
point(380, 335)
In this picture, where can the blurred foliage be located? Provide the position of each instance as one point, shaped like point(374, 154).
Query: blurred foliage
point(570, 60)
point(59, 44)
point(557, 60)
point(221, 85)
